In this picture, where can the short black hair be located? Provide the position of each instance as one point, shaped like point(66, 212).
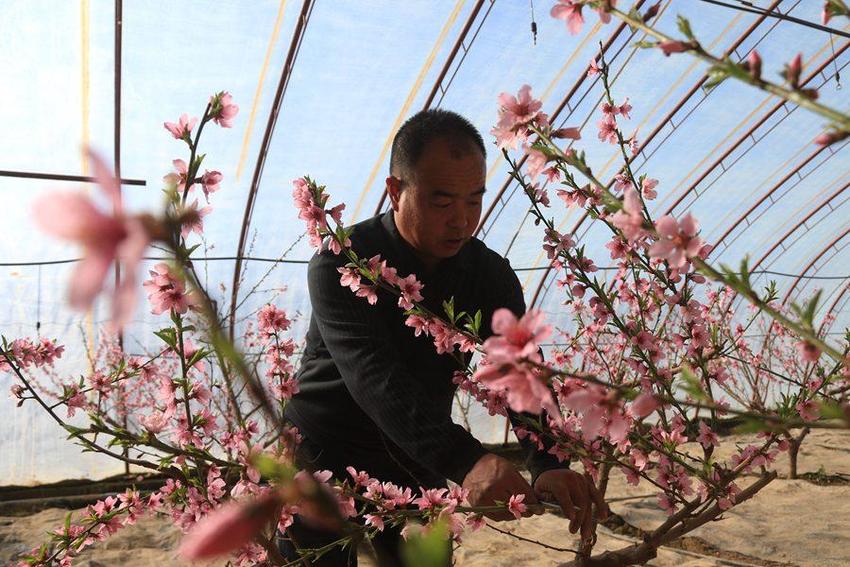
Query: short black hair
point(426, 126)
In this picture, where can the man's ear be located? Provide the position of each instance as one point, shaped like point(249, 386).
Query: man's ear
point(394, 191)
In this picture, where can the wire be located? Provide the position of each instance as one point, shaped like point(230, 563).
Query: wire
point(285, 261)
point(162, 258)
point(748, 7)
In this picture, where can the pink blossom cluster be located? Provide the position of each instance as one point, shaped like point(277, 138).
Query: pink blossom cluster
point(608, 129)
point(167, 291)
point(273, 321)
point(446, 338)
point(494, 400)
point(210, 180)
point(310, 201)
point(518, 117)
point(511, 355)
point(32, 353)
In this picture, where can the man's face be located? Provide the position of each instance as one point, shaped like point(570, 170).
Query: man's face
point(438, 209)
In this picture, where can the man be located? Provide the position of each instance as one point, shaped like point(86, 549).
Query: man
point(374, 396)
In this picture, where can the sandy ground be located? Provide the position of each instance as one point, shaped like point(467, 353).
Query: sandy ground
point(792, 522)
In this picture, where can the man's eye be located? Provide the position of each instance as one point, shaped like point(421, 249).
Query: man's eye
point(442, 205)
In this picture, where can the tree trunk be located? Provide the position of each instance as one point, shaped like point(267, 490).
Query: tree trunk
point(794, 450)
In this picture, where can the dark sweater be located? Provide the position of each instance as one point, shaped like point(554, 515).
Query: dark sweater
point(377, 396)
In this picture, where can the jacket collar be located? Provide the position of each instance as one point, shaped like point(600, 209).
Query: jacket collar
point(460, 261)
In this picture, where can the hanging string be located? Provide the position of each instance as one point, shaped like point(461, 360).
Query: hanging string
point(38, 305)
point(533, 23)
point(835, 63)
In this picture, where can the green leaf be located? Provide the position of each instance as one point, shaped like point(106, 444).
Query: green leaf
point(692, 386)
point(429, 548)
point(716, 75)
point(830, 410)
point(168, 336)
point(74, 431)
point(449, 308)
point(270, 467)
point(684, 26)
point(201, 354)
point(645, 44)
point(635, 15)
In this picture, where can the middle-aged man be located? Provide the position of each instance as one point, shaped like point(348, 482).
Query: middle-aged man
point(376, 397)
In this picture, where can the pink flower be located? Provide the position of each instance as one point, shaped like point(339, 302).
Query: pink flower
point(754, 64)
point(608, 129)
point(374, 521)
point(809, 410)
point(270, 320)
point(74, 399)
point(808, 351)
point(431, 498)
point(350, 278)
point(210, 181)
point(648, 188)
point(410, 288)
point(707, 438)
point(230, 527)
point(555, 243)
point(508, 137)
point(673, 46)
point(516, 338)
point(793, 69)
point(625, 109)
point(569, 11)
point(222, 109)
point(609, 109)
point(154, 422)
point(830, 137)
point(518, 110)
point(369, 292)
point(572, 133)
point(524, 388)
point(593, 68)
point(515, 505)
point(666, 503)
point(419, 324)
point(178, 177)
point(630, 218)
point(644, 405)
point(678, 241)
point(183, 129)
point(166, 291)
point(104, 237)
point(193, 219)
point(535, 163)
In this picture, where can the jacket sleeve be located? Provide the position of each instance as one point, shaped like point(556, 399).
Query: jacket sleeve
point(365, 351)
point(509, 294)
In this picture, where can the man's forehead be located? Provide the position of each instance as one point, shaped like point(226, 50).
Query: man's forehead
point(451, 166)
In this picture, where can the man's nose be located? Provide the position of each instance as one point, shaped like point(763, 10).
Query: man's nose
point(459, 217)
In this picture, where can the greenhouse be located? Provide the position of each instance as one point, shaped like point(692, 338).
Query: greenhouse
point(434, 282)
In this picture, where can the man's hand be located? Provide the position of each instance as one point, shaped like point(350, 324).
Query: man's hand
point(576, 494)
point(495, 478)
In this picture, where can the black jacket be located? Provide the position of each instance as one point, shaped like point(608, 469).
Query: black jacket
point(374, 394)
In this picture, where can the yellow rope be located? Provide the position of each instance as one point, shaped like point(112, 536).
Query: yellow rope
point(85, 137)
point(406, 107)
point(249, 127)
